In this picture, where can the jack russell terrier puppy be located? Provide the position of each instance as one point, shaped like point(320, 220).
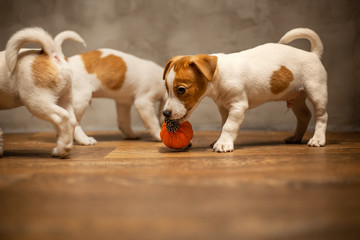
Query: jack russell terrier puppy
point(107, 73)
point(241, 81)
point(40, 80)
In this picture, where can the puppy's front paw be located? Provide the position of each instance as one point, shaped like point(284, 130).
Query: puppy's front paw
point(61, 153)
point(87, 141)
point(132, 137)
point(223, 146)
point(316, 142)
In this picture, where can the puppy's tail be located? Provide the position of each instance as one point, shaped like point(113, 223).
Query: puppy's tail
point(28, 35)
point(297, 33)
point(67, 35)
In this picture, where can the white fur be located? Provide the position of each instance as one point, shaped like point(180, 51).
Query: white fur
point(242, 82)
point(17, 87)
point(143, 86)
point(178, 109)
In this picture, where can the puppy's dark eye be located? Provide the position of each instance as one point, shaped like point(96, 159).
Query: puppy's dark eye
point(181, 90)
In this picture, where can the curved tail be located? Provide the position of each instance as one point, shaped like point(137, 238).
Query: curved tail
point(297, 33)
point(28, 35)
point(67, 35)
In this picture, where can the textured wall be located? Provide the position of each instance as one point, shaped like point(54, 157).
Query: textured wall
point(160, 29)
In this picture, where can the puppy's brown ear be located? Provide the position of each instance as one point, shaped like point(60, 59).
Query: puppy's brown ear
point(206, 64)
point(169, 64)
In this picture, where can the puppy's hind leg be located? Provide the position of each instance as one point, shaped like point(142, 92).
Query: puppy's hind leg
point(65, 102)
point(47, 110)
point(80, 103)
point(146, 110)
point(321, 117)
point(124, 120)
point(318, 96)
point(82, 138)
point(303, 116)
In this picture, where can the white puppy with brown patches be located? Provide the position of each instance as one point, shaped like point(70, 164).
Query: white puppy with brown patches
point(108, 73)
point(241, 81)
point(40, 80)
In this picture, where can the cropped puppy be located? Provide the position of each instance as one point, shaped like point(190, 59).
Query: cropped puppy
point(107, 73)
point(241, 81)
point(40, 80)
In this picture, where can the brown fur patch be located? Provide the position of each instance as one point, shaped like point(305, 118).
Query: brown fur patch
point(195, 84)
point(44, 72)
point(110, 70)
point(192, 79)
point(170, 64)
point(206, 64)
point(281, 79)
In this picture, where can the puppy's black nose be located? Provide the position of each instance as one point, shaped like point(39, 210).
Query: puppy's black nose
point(167, 113)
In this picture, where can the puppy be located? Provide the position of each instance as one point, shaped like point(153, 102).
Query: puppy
point(40, 80)
point(241, 81)
point(107, 73)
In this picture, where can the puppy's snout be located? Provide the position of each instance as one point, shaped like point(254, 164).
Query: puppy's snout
point(167, 113)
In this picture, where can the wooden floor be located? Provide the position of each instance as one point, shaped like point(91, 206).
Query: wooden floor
point(121, 189)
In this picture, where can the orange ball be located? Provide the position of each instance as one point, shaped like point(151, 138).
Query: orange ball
point(179, 139)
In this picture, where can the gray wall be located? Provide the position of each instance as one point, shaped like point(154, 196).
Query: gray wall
point(160, 29)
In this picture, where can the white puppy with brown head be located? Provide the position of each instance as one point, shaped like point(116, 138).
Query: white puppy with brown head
point(40, 80)
point(241, 81)
point(108, 73)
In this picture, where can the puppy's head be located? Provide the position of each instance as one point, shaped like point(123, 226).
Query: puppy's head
point(186, 79)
